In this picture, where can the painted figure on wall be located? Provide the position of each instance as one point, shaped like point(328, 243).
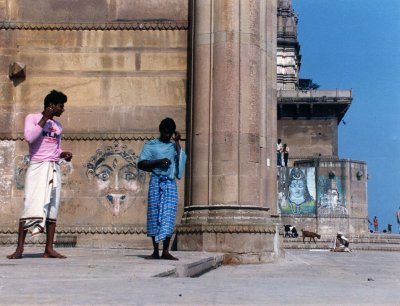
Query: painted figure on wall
point(22, 164)
point(114, 169)
point(296, 194)
point(331, 199)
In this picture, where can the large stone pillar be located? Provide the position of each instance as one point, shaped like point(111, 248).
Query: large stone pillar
point(232, 202)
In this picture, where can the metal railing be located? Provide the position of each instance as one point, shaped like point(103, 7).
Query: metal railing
point(338, 93)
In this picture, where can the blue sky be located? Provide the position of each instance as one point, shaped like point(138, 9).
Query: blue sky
point(354, 44)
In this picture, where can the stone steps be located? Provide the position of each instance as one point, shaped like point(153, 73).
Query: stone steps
point(376, 242)
point(373, 241)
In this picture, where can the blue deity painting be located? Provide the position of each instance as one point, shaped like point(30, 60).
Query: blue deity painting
point(331, 196)
point(296, 191)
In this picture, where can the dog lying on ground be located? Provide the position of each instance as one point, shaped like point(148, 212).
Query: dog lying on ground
point(310, 235)
point(290, 231)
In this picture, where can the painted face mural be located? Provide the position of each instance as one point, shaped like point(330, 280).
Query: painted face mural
point(330, 195)
point(296, 191)
point(116, 175)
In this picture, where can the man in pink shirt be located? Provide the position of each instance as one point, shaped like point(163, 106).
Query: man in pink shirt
point(43, 180)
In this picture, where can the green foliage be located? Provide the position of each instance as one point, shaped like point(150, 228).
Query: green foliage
point(307, 84)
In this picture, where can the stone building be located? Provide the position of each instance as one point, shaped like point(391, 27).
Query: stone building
point(212, 66)
point(308, 121)
point(124, 68)
point(126, 65)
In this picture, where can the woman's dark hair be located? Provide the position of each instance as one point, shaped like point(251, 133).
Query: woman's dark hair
point(55, 97)
point(167, 125)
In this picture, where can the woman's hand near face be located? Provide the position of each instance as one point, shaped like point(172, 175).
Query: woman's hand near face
point(177, 136)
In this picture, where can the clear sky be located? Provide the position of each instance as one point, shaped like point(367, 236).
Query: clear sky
point(355, 44)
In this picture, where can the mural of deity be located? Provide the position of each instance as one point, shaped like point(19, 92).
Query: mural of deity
point(330, 199)
point(116, 175)
point(296, 191)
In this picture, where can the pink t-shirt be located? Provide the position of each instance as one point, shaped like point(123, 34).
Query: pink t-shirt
point(44, 143)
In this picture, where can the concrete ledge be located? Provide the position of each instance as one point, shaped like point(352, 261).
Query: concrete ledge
point(126, 261)
point(196, 268)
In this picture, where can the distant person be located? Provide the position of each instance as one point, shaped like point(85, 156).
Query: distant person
point(341, 243)
point(166, 162)
point(398, 218)
point(279, 152)
point(285, 151)
point(376, 223)
point(43, 177)
point(370, 223)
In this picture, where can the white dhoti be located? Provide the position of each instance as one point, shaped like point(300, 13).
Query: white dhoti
point(42, 195)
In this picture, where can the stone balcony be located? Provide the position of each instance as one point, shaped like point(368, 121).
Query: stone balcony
point(308, 104)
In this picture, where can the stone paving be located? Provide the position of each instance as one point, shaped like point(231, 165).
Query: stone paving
point(123, 277)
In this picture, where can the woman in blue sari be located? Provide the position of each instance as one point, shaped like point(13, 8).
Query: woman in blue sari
point(166, 162)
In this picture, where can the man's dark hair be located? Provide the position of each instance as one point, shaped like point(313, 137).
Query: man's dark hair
point(167, 125)
point(54, 97)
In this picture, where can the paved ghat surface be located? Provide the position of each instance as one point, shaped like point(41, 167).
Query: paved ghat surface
point(124, 277)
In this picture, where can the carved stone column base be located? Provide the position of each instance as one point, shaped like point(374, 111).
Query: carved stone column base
point(246, 234)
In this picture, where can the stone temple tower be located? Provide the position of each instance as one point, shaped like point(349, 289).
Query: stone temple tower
point(335, 192)
point(288, 48)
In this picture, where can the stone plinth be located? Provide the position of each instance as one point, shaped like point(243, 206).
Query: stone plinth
point(246, 233)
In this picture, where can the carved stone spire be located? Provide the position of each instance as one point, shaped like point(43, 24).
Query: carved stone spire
point(288, 48)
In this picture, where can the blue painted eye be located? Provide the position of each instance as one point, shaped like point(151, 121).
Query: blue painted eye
point(104, 175)
point(129, 176)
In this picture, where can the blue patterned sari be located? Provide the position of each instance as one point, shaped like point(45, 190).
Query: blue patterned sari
point(163, 193)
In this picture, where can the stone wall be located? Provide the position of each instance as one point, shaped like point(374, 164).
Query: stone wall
point(70, 11)
point(305, 138)
point(123, 66)
point(340, 198)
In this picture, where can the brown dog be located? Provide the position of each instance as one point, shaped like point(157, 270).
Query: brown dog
point(310, 235)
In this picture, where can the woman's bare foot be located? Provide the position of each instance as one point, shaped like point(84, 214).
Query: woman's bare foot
point(153, 256)
point(16, 255)
point(166, 255)
point(53, 254)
